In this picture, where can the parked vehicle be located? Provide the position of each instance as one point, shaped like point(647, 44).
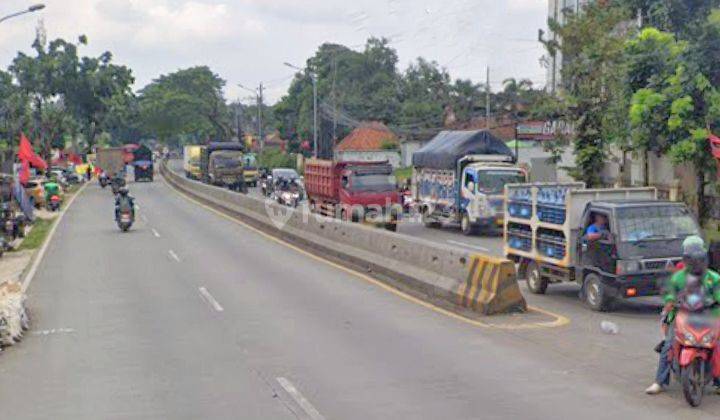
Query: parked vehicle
point(191, 161)
point(221, 164)
point(546, 234)
point(459, 178)
point(12, 222)
point(143, 164)
point(36, 192)
point(695, 353)
point(54, 202)
point(111, 160)
point(354, 191)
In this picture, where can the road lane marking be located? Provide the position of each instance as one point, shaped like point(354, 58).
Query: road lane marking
point(559, 320)
point(307, 407)
point(155, 233)
point(450, 241)
point(173, 255)
point(33, 268)
point(211, 300)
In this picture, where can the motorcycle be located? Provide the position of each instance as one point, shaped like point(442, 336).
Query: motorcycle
point(265, 186)
point(125, 220)
point(13, 226)
point(289, 198)
point(116, 184)
point(54, 203)
point(103, 179)
point(695, 356)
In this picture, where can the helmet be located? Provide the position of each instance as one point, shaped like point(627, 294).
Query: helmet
point(123, 191)
point(695, 255)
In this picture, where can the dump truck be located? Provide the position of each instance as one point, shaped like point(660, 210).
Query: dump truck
point(143, 164)
point(547, 228)
point(354, 191)
point(222, 164)
point(458, 178)
point(111, 160)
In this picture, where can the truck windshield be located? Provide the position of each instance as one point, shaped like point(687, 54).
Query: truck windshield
point(249, 160)
point(285, 174)
point(493, 181)
point(373, 182)
point(655, 222)
point(227, 160)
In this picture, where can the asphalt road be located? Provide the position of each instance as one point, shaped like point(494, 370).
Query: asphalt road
point(191, 315)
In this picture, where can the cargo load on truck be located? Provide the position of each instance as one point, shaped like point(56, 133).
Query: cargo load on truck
point(354, 191)
point(459, 178)
point(222, 164)
point(191, 161)
point(111, 160)
point(546, 233)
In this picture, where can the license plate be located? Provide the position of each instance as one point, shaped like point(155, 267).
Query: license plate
point(125, 218)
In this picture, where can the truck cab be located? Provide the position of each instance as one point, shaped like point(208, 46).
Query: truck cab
point(222, 164)
point(639, 250)
point(481, 194)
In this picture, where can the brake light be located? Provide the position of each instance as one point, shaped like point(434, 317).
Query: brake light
point(631, 292)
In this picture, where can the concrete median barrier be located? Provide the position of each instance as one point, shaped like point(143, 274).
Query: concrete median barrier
point(415, 266)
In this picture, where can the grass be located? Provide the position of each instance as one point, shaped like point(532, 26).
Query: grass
point(403, 174)
point(38, 234)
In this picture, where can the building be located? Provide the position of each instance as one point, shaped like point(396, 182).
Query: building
point(557, 11)
point(370, 142)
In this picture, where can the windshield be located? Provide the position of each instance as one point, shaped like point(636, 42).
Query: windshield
point(493, 181)
point(377, 183)
point(249, 160)
point(227, 160)
point(655, 222)
point(285, 173)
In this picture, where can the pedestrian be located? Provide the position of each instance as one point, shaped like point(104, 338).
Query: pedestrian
point(88, 172)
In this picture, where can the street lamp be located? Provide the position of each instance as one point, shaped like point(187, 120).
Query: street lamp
point(31, 9)
point(313, 76)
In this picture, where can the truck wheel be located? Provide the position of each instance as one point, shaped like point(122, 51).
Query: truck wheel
point(536, 284)
point(428, 221)
point(596, 295)
point(466, 226)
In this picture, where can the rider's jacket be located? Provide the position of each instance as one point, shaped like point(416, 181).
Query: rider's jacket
point(678, 281)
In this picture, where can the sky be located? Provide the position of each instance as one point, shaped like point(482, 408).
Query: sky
point(247, 41)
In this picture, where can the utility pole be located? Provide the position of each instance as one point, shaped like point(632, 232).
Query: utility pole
point(260, 105)
point(487, 100)
point(315, 121)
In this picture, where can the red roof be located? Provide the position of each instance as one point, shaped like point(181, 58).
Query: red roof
point(369, 136)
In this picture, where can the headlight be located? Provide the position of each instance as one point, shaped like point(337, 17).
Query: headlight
point(690, 339)
point(707, 339)
point(629, 266)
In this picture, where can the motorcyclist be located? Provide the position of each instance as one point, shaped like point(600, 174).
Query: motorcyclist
point(51, 188)
point(695, 264)
point(124, 200)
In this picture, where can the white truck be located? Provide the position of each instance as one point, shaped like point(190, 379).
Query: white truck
point(459, 177)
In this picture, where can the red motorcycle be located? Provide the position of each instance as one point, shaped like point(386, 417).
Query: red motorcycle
point(695, 355)
point(54, 204)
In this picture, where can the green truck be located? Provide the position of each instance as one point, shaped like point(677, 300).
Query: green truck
point(222, 164)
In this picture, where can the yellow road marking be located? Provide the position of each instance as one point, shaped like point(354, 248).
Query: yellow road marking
point(559, 321)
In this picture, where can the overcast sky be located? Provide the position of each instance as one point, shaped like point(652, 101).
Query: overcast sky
point(247, 41)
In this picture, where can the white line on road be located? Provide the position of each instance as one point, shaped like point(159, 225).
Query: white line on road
point(173, 255)
point(155, 233)
point(300, 399)
point(450, 241)
point(211, 300)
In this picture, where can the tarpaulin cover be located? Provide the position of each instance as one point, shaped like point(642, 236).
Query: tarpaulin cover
point(446, 148)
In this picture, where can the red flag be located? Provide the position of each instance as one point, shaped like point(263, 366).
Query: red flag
point(715, 145)
point(24, 172)
point(26, 152)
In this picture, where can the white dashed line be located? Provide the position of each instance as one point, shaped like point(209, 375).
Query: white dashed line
point(173, 255)
point(307, 407)
point(466, 245)
point(211, 300)
point(155, 233)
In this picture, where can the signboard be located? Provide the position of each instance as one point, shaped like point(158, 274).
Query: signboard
point(544, 130)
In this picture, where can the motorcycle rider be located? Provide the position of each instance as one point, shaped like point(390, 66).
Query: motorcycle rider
point(695, 262)
point(122, 200)
point(51, 188)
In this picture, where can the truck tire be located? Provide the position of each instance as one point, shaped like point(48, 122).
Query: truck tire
point(535, 283)
point(595, 293)
point(428, 221)
point(466, 226)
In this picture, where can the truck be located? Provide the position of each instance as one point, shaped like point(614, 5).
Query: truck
point(354, 191)
point(191, 161)
point(221, 164)
point(143, 163)
point(251, 169)
point(111, 160)
point(458, 178)
point(546, 227)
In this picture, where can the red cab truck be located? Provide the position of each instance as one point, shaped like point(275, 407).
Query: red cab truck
point(354, 191)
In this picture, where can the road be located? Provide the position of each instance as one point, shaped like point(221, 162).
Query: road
point(191, 315)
